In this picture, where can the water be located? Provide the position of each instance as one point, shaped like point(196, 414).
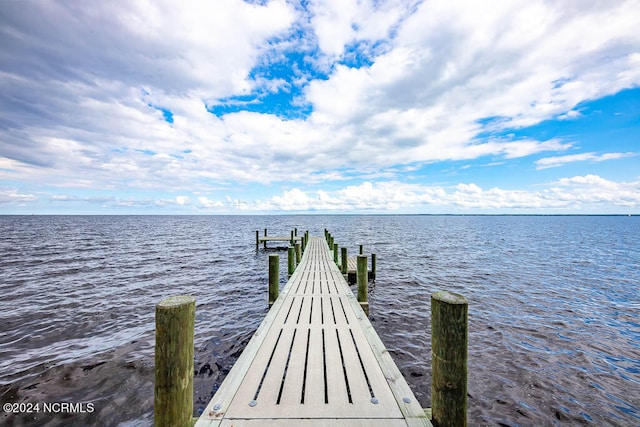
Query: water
point(553, 308)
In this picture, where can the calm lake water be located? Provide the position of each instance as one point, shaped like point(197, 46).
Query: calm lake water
point(554, 308)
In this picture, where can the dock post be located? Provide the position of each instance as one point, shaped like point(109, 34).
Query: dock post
point(363, 282)
point(298, 253)
point(274, 278)
point(293, 242)
point(335, 253)
point(303, 242)
point(290, 263)
point(373, 266)
point(449, 340)
point(257, 239)
point(265, 235)
point(173, 391)
point(361, 250)
point(296, 231)
point(344, 260)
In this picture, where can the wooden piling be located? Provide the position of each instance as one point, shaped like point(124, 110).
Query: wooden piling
point(363, 283)
point(173, 391)
point(274, 278)
point(373, 266)
point(298, 253)
point(345, 260)
point(361, 249)
point(449, 340)
point(265, 235)
point(335, 253)
point(257, 239)
point(292, 239)
point(290, 263)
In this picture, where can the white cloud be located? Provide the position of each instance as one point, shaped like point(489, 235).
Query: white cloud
point(552, 162)
point(15, 196)
point(587, 192)
point(83, 86)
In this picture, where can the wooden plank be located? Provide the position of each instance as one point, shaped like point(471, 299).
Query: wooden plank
point(315, 360)
point(278, 239)
point(315, 422)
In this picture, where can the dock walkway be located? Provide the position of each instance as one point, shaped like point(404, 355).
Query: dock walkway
point(315, 360)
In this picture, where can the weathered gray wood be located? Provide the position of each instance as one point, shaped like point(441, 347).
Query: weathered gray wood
point(314, 338)
point(274, 278)
point(173, 392)
point(449, 339)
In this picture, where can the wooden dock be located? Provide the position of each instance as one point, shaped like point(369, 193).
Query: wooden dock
point(315, 360)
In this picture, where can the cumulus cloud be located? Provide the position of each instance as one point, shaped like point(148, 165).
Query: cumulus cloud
point(576, 192)
point(117, 96)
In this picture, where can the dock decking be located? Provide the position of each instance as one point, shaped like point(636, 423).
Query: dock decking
point(315, 360)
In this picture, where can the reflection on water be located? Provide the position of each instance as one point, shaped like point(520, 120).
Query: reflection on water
point(553, 308)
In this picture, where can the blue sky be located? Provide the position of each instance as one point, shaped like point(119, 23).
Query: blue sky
point(396, 106)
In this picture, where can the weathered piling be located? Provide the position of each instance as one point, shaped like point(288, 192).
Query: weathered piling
point(274, 278)
point(345, 260)
point(257, 239)
point(363, 283)
point(298, 253)
point(449, 340)
point(335, 253)
point(265, 235)
point(173, 391)
point(290, 262)
point(374, 261)
point(361, 249)
point(292, 239)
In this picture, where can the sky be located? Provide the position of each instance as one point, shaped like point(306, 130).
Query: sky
point(332, 106)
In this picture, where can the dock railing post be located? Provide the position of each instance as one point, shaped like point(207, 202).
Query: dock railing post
point(363, 283)
point(298, 253)
point(173, 391)
point(335, 253)
point(257, 239)
point(303, 242)
point(374, 261)
point(290, 263)
point(265, 235)
point(274, 278)
point(293, 242)
point(345, 260)
point(449, 341)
